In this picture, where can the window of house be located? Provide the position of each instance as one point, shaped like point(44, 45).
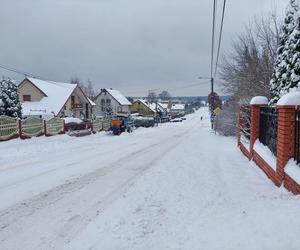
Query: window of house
point(108, 101)
point(102, 105)
point(27, 98)
point(72, 100)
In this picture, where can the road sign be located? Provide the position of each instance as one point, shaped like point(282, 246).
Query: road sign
point(217, 111)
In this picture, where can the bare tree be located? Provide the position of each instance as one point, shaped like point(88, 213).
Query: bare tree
point(152, 97)
point(247, 70)
point(88, 88)
point(90, 92)
point(165, 95)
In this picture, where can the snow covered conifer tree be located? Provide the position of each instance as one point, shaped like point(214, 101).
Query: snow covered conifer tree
point(9, 99)
point(284, 75)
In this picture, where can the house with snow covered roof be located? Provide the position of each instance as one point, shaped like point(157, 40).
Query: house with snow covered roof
point(142, 107)
point(48, 98)
point(145, 108)
point(112, 101)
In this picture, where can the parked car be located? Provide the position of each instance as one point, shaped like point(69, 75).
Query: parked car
point(176, 120)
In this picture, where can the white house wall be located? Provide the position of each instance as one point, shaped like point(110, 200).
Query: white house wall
point(27, 88)
point(116, 107)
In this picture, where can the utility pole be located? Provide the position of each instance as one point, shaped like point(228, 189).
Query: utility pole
point(212, 117)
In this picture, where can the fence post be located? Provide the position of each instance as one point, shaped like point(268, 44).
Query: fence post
point(20, 128)
point(92, 127)
point(239, 123)
point(254, 127)
point(64, 124)
point(285, 138)
point(45, 128)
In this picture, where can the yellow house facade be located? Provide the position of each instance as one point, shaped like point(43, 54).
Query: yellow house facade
point(142, 107)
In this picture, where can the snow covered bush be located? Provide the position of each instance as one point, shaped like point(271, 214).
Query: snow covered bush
point(9, 99)
point(286, 74)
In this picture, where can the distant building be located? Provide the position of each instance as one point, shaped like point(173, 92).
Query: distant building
point(111, 101)
point(143, 108)
point(177, 109)
point(48, 98)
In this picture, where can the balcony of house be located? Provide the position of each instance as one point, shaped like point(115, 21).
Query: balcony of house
point(77, 106)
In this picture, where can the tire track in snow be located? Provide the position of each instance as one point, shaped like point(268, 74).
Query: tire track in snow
point(67, 208)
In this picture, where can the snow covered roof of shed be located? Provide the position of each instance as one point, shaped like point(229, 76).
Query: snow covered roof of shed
point(178, 106)
point(55, 96)
point(120, 98)
point(164, 105)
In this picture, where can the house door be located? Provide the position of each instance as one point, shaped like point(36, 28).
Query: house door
point(87, 111)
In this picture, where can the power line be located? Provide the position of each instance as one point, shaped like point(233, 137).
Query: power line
point(213, 40)
point(172, 89)
point(220, 37)
point(16, 71)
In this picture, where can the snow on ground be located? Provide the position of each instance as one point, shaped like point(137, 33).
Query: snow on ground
point(265, 153)
point(176, 186)
point(293, 170)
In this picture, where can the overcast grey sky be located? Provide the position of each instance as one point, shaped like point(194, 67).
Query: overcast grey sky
point(131, 45)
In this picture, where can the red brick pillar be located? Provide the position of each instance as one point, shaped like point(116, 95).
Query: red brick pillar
point(285, 138)
point(254, 128)
point(239, 121)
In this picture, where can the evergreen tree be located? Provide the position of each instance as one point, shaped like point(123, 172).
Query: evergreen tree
point(294, 48)
point(283, 78)
point(9, 99)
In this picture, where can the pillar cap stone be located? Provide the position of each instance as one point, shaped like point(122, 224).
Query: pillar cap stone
point(259, 100)
point(290, 99)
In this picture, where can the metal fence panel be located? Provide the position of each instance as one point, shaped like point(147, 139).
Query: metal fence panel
point(245, 122)
point(268, 128)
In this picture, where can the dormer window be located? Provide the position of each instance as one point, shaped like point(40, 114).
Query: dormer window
point(26, 98)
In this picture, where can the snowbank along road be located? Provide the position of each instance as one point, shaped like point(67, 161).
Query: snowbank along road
point(176, 186)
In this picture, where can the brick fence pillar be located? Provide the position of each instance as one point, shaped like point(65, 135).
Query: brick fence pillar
point(285, 138)
point(254, 128)
point(256, 103)
point(239, 122)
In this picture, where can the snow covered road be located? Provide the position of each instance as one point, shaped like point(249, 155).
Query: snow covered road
point(177, 186)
